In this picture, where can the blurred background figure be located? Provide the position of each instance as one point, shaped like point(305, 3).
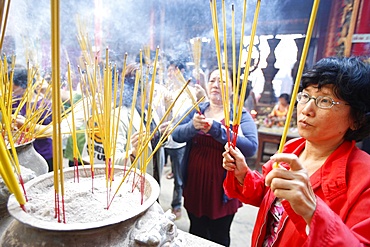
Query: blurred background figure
point(278, 115)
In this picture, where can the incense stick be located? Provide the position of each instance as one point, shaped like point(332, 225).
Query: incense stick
point(299, 75)
point(225, 91)
point(73, 129)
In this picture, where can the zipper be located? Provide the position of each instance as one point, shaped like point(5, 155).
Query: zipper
point(282, 226)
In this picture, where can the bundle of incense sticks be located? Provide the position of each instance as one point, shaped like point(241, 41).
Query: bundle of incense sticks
point(9, 158)
point(6, 89)
point(56, 109)
point(197, 54)
point(37, 109)
point(84, 42)
point(33, 115)
point(238, 100)
point(147, 55)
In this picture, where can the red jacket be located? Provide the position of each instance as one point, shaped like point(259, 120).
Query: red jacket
point(342, 188)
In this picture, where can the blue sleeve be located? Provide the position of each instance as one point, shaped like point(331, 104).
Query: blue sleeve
point(185, 130)
point(247, 141)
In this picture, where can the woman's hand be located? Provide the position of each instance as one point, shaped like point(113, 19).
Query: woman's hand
point(293, 185)
point(163, 128)
point(199, 91)
point(234, 161)
point(200, 122)
point(19, 121)
point(135, 138)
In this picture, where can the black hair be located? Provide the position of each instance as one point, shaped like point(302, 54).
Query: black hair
point(20, 77)
point(171, 63)
point(285, 96)
point(180, 66)
point(350, 78)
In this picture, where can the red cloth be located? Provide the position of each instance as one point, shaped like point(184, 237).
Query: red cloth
point(203, 192)
point(342, 188)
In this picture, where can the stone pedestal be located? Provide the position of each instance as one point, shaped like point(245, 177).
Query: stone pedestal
point(268, 94)
point(299, 43)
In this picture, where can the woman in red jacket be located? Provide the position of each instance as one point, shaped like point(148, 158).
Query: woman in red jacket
point(320, 194)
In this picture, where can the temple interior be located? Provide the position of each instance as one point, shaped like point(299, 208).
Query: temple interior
point(165, 31)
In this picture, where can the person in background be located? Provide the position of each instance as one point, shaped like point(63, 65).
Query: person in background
point(210, 211)
point(319, 194)
point(250, 102)
point(279, 112)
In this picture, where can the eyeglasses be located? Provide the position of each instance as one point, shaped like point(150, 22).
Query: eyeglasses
point(323, 102)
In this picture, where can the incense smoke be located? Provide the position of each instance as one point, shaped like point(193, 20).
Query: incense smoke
point(129, 25)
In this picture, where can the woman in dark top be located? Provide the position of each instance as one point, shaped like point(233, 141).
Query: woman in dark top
point(209, 210)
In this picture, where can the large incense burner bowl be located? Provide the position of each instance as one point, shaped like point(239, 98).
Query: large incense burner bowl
point(144, 225)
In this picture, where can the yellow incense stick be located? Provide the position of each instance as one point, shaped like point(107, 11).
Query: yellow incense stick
point(299, 75)
point(87, 102)
point(120, 100)
point(233, 50)
point(225, 91)
point(107, 106)
point(181, 78)
point(218, 53)
point(73, 129)
point(151, 93)
point(132, 113)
